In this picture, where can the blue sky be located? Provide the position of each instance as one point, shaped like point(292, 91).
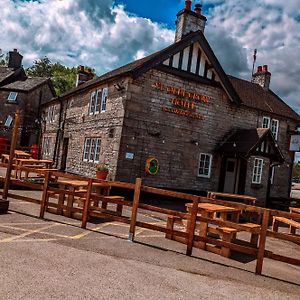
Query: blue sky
point(104, 35)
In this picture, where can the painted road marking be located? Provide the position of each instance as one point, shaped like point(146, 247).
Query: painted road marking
point(29, 232)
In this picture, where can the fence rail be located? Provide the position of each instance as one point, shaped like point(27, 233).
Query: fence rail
point(60, 199)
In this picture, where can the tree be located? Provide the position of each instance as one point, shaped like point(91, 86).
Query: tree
point(3, 59)
point(63, 78)
point(296, 172)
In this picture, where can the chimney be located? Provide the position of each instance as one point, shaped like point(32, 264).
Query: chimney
point(189, 21)
point(15, 59)
point(83, 75)
point(262, 77)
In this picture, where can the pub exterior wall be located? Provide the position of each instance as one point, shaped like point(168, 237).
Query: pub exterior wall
point(141, 129)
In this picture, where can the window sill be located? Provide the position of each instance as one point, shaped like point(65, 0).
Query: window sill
point(256, 186)
point(12, 102)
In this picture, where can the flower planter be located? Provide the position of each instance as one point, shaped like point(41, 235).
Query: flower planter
point(101, 175)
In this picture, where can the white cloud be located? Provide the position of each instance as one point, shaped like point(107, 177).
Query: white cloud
point(93, 33)
point(271, 26)
point(77, 32)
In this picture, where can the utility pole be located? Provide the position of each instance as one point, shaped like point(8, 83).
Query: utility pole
point(4, 203)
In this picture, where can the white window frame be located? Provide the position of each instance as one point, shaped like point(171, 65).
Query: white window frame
point(207, 158)
point(266, 120)
point(92, 105)
point(104, 99)
point(91, 152)
point(12, 97)
point(51, 114)
point(257, 170)
point(8, 121)
point(272, 175)
point(275, 129)
point(268, 123)
point(46, 146)
point(98, 102)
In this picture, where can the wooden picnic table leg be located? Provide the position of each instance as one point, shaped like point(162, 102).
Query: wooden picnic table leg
point(70, 200)
point(61, 200)
point(203, 226)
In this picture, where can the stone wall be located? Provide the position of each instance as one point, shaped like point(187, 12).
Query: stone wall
point(136, 127)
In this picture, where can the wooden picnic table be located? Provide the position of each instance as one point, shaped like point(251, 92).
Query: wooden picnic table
point(31, 163)
point(80, 186)
point(22, 154)
point(209, 210)
point(224, 196)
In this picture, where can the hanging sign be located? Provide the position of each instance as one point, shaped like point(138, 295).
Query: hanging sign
point(295, 143)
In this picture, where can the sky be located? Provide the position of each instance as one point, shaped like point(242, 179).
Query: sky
point(105, 34)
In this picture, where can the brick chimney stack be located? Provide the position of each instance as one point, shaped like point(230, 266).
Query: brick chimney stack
point(262, 77)
point(15, 59)
point(83, 75)
point(189, 21)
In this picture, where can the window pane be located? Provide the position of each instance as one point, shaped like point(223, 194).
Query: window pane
point(93, 148)
point(87, 149)
point(97, 152)
point(104, 99)
point(98, 101)
point(92, 103)
point(12, 96)
point(266, 122)
point(8, 121)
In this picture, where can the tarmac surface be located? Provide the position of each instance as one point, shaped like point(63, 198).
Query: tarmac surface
point(56, 259)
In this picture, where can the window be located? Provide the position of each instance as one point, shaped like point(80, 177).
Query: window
point(93, 103)
point(272, 175)
point(91, 151)
point(51, 114)
point(98, 101)
point(104, 99)
point(12, 96)
point(47, 146)
point(274, 128)
point(257, 170)
point(205, 165)
point(8, 121)
point(272, 124)
point(266, 122)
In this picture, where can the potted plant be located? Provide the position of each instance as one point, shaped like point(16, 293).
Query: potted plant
point(101, 171)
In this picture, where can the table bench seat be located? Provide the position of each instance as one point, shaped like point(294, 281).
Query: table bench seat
point(293, 224)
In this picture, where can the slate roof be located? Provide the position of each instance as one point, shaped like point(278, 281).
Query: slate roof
point(5, 73)
point(254, 96)
point(239, 91)
point(245, 141)
point(26, 85)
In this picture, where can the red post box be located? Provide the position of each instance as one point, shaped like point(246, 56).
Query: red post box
point(34, 150)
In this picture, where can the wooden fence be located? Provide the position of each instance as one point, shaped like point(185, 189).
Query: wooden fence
point(84, 203)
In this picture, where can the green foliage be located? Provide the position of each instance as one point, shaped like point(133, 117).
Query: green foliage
point(3, 59)
point(296, 172)
point(102, 167)
point(63, 78)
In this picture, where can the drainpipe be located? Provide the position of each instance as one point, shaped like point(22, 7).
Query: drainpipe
point(58, 134)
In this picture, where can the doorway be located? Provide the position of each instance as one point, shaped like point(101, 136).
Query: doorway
point(64, 156)
point(233, 175)
point(231, 178)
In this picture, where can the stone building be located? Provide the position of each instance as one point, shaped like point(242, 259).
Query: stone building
point(176, 120)
point(18, 91)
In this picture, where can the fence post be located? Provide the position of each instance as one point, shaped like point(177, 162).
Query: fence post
point(45, 195)
point(4, 202)
point(191, 227)
point(86, 208)
point(135, 205)
point(262, 241)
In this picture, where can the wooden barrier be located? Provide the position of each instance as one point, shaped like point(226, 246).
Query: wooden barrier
point(88, 199)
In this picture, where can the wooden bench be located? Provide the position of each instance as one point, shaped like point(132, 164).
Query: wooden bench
point(226, 234)
point(293, 224)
